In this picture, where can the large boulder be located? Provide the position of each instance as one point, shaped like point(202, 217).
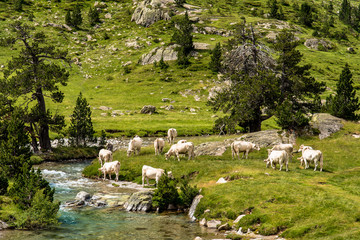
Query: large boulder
point(83, 196)
point(318, 44)
point(148, 109)
point(140, 201)
point(210, 148)
point(3, 225)
point(167, 53)
point(148, 12)
point(326, 124)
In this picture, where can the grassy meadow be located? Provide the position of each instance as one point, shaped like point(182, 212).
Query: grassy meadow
point(299, 204)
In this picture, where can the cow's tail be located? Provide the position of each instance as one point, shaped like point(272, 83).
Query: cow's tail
point(232, 149)
point(321, 161)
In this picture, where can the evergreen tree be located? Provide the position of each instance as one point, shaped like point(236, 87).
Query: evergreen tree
point(182, 34)
point(34, 72)
point(297, 87)
point(182, 59)
point(345, 12)
point(163, 64)
point(81, 128)
point(273, 5)
point(345, 103)
point(180, 3)
point(76, 18)
point(68, 19)
point(215, 63)
point(306, 14)
point(165, 193)
point(18, 5)
point(93, 16)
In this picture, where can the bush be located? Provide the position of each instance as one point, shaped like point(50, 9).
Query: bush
point(187, 193)
point(165, 194)
point(4, 183)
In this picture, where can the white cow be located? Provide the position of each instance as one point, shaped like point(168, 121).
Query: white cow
point(284, 146)
point(134, 146)
point(277, 156)
point(181, 148)
point(311, 155)
point(159, 144)
point(182, 141)
point(153, 173)
point(111, 167)
point(172, 134)
point(242, 146)
point(105, 156)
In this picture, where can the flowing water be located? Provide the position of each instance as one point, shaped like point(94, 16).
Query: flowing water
point(103, 223)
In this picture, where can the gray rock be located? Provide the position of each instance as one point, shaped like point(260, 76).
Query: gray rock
point(108, 16)
point(170, 107)
point(3, 225)
point(194, 204)
point(139, 201)
point(83, 196)
point(326, 124)
point(317, 44)
point(148, 109)
point(224, 227)
point(155, 55)
point(239, 218)
point(166, 99)
point(201, 46)
point(198, 238)
point(148, 12)
point(133, 44)
point(104, 108)
point(202, 222)
point(210, 148)
point(213, 224)
point(221, 180)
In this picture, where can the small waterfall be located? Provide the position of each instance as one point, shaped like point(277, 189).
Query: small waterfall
point(194, 204)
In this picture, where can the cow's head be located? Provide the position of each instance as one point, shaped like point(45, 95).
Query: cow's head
point(256, 147)
point(128, 153)
point(167, 156)
point(170, 175)
point(100, 169)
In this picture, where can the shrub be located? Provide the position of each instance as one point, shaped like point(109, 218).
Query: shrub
point(165, 194)
point(4, 183)
point(187, 193)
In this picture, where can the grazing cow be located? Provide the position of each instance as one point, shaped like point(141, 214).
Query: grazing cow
point(111, 167)
point(182, 141)
point(134, 146)
point(159, 144)
point(277, 156)
point(152, 173)
point(311, 155)
point(172, 134)
point(105, 156)
point(287, 147)
point(242, 146)
point(181, 148)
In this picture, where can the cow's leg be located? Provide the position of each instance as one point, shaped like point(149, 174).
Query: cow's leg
point(287, 166)
point(247, 153)
point(117, 176)
point(315, 162)
point(280, 166)
point(177, 154)
point(104, 176)
point(143, 178)
point(238, 154)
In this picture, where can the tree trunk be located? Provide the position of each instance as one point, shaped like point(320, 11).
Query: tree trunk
point(255, 125)
point(43, 123)
point(34, 143)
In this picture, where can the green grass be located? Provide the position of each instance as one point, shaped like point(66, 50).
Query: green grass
point(299, 204)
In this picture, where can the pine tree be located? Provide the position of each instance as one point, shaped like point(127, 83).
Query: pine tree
point(183, 34)
point(68, 19)
point(305, 15)
point(273, 5)
point(18, 5)
point(345, 103)
point(76, 17)
point(180, 3)
point(81, 128)
point(215, 63)
point(93, 16)
point(34, 72)
point(345, 12)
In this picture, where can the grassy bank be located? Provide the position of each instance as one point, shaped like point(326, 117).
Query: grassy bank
point(299, 204)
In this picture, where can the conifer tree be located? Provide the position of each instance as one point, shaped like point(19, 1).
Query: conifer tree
point(93, 16)
point(68, 19)
point(18, 5)
point(183, 34)
point(76, 17)
point(345, 12)
point(215, 63)
point(345, 103)
point(81, 128)
point(305, 15)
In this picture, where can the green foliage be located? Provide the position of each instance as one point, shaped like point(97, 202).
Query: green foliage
point(81, 129)
point(93, 16)
point(183, 34)
point(76, 18)
point(68, 19)
point(163, 64)
point(165, 194)
point(102, 138)
point(18, 5)
point(306, 14)
point(345, 12)
point(187, 193)
point(275, 10)
point(344, 104)
point(41, 214)
point(4, 183)
point(182, 60)
point(215, 63)
point(180, 3)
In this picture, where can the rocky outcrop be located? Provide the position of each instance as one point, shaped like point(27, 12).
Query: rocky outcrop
point(318, 44)
point(148, 12)
point(3, 225)
point(148, 109)
point(266, 138)
point(210, 148)
point(140, 201)
point(326, 124)
point(83, 196)
point(98, 200)
point(194, 204)
point(167, 53)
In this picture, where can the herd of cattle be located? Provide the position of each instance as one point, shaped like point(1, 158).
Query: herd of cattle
point(278, 154)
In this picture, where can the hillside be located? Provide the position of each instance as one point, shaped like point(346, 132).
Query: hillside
point(106, 57)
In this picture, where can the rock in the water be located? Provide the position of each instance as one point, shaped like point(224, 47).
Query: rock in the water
point(139, 201)
point(148, 109)
point(326, 124)
point(155, 55)
point(3, 225)
point(83, 196)
point(202, 222)
point(221, 180)
point(194, 204)
point(148, 12)
point(213, 224)
point(198, 238)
